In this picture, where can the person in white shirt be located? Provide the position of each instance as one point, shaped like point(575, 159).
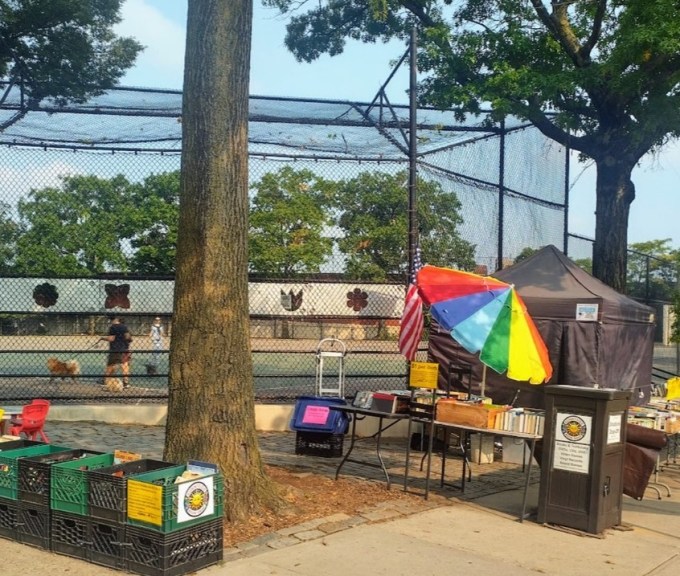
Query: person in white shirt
point(156, 335)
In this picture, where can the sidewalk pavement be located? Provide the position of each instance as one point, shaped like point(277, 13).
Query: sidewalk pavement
point(475, 533)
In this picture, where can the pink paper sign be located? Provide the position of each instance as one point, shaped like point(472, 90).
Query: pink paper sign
point(315, 415)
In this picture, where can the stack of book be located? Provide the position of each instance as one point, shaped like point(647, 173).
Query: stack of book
point(523, 420)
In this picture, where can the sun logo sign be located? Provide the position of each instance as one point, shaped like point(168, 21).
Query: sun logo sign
point(571, 447)
point(574, 428)
point(196, 499)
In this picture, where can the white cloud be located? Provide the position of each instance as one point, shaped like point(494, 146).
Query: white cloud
point(161, 63)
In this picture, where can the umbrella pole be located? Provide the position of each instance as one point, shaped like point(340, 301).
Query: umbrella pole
point(483, 386)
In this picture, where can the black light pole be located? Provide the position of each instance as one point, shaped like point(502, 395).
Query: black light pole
point(413, 150)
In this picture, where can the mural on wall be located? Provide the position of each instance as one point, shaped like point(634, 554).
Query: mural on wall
point(290, 300)
point(117, 296)
point(357, 299)
point(154, 296)
point(45, 295)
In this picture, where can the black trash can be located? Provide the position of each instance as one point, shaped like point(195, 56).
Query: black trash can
point(583, 457)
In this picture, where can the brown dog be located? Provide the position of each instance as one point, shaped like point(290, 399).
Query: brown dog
point(113, 384)
point(59, 369)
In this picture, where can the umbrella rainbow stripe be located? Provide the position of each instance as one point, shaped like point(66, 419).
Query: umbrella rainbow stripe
point(488, 317)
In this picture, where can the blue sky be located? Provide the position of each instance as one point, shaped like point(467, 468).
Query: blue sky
point(357, 74)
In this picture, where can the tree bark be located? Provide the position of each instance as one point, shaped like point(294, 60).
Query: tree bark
point(615, 193)
point(211, 406)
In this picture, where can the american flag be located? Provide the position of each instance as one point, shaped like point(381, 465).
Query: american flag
point(411, 327)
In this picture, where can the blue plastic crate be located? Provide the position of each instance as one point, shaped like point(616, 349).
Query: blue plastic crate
point(314, 414)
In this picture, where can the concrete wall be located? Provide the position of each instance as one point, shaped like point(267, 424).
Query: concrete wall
point(268, 417)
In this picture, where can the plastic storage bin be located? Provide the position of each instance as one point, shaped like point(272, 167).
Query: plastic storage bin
point(107, 543)
point(33, 525)
point(313, 414)
point(107, 497)
point(70, 534)
point(19, 443)
point(35, 473)
point(157, 502)
point(8, 518)
point(9, 468)
point(70, 483)
point(319, 444)
point(155, 554)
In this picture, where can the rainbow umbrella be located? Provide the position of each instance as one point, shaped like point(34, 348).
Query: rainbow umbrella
point(487, 316)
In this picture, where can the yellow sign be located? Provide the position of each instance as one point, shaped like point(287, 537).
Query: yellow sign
point(424, 375)
point(672, 388)
point(145, 502)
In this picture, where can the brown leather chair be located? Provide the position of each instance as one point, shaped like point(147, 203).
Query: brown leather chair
point(643, 446)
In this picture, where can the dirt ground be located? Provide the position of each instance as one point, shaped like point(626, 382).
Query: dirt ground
point(308, 496)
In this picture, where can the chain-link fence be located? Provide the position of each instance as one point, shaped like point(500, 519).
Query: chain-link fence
point(63, 319)
point(508, 178)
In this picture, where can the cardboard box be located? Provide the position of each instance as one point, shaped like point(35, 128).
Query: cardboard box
point(475, 415)
point(481, 448)
point(515, 450)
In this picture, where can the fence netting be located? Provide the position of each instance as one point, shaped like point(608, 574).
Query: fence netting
point(508, 178)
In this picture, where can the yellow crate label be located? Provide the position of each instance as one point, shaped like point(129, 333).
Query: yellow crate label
point(145, 502)
point(424, 375)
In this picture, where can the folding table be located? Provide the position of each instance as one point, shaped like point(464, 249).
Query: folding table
point(385, 421)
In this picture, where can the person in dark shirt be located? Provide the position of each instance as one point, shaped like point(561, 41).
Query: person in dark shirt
point(119, 339)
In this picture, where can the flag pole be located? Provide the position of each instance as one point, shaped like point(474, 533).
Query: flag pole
point(411, 328)
point(413, 150)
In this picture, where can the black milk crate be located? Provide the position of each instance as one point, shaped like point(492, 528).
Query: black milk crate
point(175, 553)
point(35, 473)
point(70, 534)
point(107, 543)
point(9, 510)
point(108, 487)
point(319, 444)
point(9, 465)
point(33, 525)
point(18, 443)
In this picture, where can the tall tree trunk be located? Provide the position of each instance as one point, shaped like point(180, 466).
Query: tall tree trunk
point(211, 408)
point(615, 193)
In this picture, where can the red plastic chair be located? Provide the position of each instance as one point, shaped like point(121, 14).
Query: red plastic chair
point(32, 421)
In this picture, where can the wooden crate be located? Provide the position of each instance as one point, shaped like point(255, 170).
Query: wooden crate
point(475, 415)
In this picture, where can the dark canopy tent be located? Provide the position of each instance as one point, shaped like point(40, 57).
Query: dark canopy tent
point(609, 345)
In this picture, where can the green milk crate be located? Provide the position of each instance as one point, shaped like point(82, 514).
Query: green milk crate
point(70, 485)
point(9, 466)
point(154, 500)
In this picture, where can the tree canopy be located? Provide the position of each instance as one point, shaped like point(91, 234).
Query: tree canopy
point(77, 228)
point(599, 76)
point(653, 270)
point(89, 225)
point(64, 50)
point(373, 215)
point(155, 216)
point(288, 220)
